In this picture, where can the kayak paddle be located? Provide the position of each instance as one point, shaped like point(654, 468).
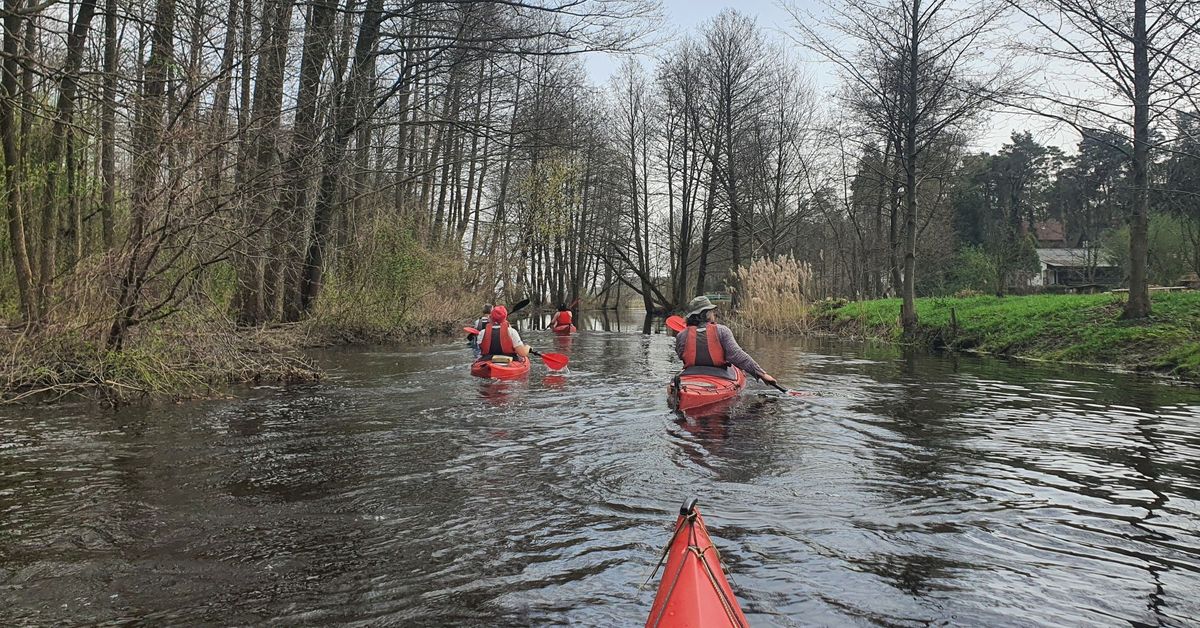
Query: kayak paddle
point(791, 393)
point(676, 323)
point(553, 361)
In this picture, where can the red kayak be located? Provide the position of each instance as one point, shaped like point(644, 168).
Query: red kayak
point(499, 370)
point(694, 591)
point(564, 330)
point(699, 387)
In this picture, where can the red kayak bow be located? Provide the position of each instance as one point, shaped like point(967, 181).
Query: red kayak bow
point(694, 591)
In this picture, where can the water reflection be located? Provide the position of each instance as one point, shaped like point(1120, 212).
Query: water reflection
point(912, 490)
point(500, 392)
point(613, 321)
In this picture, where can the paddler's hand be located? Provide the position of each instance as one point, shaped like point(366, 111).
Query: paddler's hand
point(767, 378)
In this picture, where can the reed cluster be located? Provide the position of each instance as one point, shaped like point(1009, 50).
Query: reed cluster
point(773, 295)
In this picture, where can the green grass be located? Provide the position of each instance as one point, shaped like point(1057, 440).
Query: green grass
point(1066, 328)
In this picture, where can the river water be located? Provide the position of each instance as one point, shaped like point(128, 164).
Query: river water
point(913, 490)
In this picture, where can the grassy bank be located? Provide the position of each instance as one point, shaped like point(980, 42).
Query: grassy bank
point(1065, 328)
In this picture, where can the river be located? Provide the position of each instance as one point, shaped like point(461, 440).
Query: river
point(912, 490)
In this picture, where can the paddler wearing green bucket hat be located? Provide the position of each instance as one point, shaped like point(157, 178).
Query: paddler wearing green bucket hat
point(706, 342)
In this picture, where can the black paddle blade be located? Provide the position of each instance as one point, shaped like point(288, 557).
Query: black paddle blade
point(519, 304)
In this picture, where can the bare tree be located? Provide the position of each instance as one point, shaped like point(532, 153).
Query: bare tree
point(918, 67)
point(1140, 59)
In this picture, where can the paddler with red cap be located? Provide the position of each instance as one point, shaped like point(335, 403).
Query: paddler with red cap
point(708, 343)
point(499, 338)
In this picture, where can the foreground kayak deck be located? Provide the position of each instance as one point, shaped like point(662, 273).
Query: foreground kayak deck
point(698, 392)
point(496, 370)
point(694, 591)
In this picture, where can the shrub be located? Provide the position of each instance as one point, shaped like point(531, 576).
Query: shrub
point(975, 272)
point(397, 288)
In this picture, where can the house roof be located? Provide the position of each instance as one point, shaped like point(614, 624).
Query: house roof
point(1073, 257)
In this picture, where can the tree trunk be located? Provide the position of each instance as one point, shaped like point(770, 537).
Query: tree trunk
point(706, 231)
point(147, 149)
point(877, 254)
point(581, 250)
point(297, 169)
point(353, 106)
point(65, 110)
point(731, 191)
point(108, 126)
point(261, 294)
point(908, 309)
point(1138, 305)
point(497, 232)
point(894, 222)
point(440, 138)
point(219, 122)
point(14, 205)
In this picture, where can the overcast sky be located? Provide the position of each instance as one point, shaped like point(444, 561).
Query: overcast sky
point(683, 17)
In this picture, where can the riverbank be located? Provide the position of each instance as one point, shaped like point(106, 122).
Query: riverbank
point(188, 357)
point(1082, 329)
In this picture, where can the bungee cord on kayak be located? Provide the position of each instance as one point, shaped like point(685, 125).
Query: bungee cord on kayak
point(694, 590)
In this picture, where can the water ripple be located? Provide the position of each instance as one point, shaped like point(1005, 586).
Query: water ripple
point(912, 490)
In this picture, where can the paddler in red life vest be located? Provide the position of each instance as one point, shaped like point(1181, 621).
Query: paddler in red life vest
point(562, 317)
point(498, 338)
point(705, 343)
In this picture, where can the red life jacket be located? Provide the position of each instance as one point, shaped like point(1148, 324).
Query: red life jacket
point(496, 341)
point(710, 353)
point(562, 318)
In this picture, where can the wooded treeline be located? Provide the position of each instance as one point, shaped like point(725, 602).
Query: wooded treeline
point(722, 152)
point(255, 155)
point(161, 153)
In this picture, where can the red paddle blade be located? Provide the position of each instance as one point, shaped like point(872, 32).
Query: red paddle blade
point(676, 323)
point(471, 330)
point(555, 361)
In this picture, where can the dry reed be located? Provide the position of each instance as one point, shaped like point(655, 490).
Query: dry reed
point(774, 295)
